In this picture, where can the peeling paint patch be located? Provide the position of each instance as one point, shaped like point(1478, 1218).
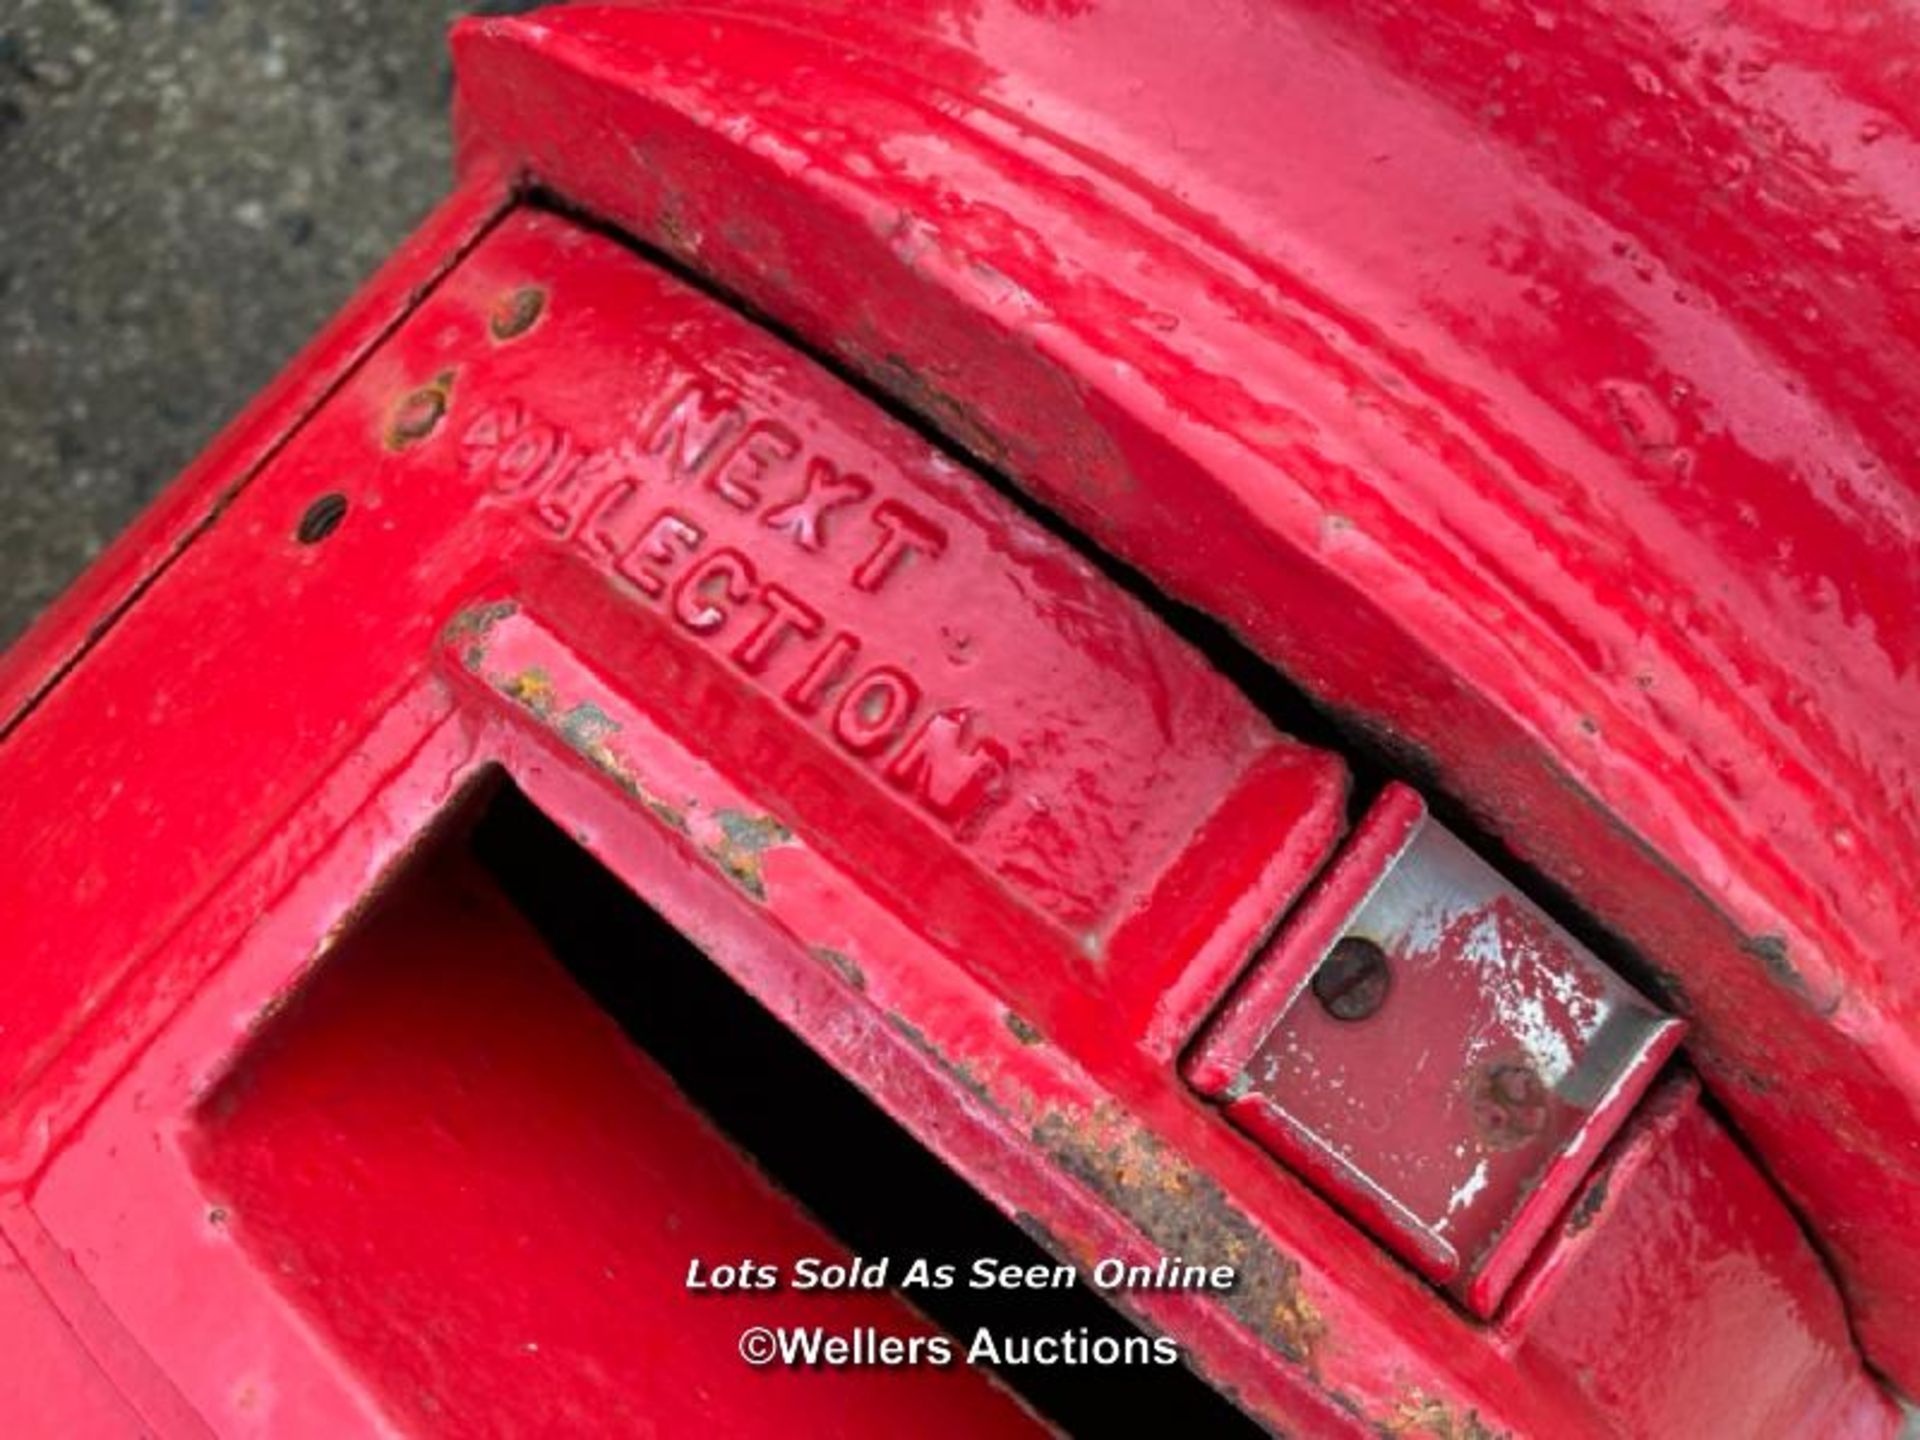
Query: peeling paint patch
point(531, 687)
point(839, 960)
point(752, 833)
point(1587, 1209)
point(1022, 1028)
point(673, 819)
point(587, 725)
point(1037, 1231)
point(469, 630)
point(743, 839)
point(1185, 1213)
point(1422, 1415)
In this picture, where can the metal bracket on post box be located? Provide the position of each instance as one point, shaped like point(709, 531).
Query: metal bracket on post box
point(1433, 1051)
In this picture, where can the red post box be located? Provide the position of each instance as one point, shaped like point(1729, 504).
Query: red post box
point(649, 842)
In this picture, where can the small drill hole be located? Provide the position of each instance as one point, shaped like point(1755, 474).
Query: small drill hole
point(515, 313)
point(323, 517)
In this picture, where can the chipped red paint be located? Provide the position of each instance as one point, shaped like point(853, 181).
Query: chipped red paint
point(900, 761)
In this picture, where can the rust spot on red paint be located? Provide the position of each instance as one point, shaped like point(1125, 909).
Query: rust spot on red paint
point(533, 688)
point(1022, 1028)
point(848, 968)
point(743, 839)
point(663, 812)
point(1422, 1415)
point(585, 727)
point(516, 312)
point(420, 412)
point(476, 622)
point(1587, 1209)
point(1510, 1103)
point(1185, 1213)
point(467, 633)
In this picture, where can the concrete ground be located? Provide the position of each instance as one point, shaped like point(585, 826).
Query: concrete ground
point(187, 189)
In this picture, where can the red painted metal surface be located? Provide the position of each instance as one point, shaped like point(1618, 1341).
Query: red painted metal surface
point(914, 773)
point(1535, 387)
point(441, 1044)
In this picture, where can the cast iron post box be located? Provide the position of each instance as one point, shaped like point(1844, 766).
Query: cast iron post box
point(797, 556)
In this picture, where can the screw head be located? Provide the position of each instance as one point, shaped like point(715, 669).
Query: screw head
point(1510, 1103)
point(1352, 982)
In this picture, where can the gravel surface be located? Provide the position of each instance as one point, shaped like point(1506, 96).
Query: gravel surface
point(187, 189)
